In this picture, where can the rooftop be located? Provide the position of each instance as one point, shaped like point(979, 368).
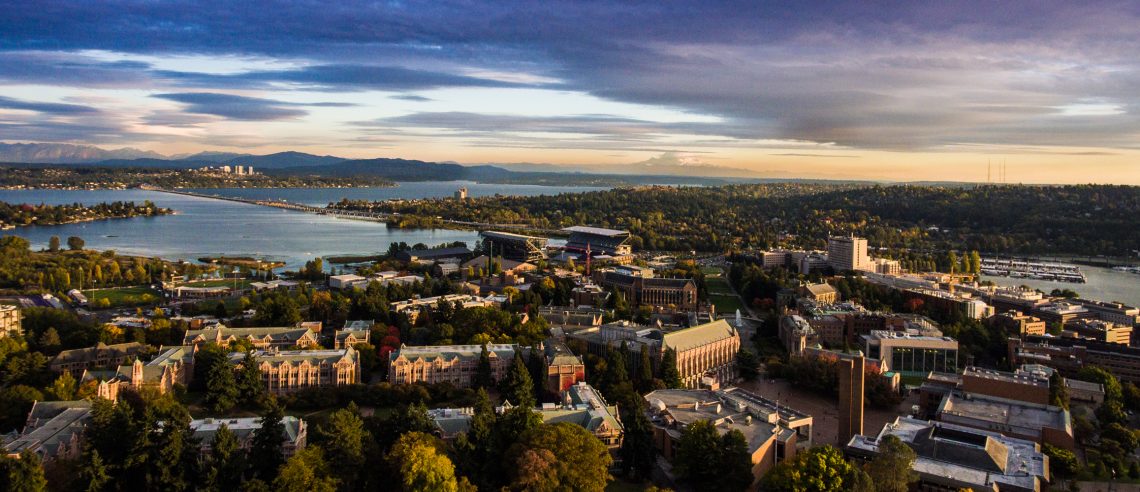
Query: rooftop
point(1015, 416)
point(962, 457)
point(699, 335)
point(597, 231)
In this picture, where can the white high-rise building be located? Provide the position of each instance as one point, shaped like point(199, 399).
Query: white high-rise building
point(847, 253)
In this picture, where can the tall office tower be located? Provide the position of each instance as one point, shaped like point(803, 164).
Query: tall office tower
point(847, 253)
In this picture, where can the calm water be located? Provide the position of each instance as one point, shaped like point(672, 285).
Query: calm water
point(1104, 284)
point(207, 227)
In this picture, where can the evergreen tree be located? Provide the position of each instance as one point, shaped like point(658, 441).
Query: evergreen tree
point(22, 474)
point(1058, 392)
point(735, 467)
point(53, 244)
point(343, 437)
point(484, 377)
point(536, 363)
point(226, 462)
point(517, 386)
point(250, 387)
point(93, 476)
point(669, 374)
point(265, 455)
point(221, 389)
point(645, 370)
point(172, 454)
point(638, 454)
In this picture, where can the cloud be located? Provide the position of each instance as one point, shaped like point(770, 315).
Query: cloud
point(410, 97)
point(895, 75)
point(43, 107)
point(241, 107)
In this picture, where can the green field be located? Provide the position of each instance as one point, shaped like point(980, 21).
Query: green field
point(123, 297)
point(721, 295)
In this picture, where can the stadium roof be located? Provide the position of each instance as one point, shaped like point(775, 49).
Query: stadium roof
point(598, 231)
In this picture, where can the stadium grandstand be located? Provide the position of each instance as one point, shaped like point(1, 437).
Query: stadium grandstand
point(515, 247)
point(600, 241)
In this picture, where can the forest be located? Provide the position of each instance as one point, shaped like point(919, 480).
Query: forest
point(901, 219)
point(23, 214)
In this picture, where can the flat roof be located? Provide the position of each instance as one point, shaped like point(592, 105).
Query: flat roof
point(598, 231)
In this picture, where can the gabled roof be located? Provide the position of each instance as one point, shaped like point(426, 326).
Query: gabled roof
point(699, 335)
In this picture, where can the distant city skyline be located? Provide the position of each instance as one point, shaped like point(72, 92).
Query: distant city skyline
point(893, 91)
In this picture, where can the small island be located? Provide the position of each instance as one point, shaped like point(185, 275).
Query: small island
point(24, 214)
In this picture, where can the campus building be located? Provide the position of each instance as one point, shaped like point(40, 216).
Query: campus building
point(1113, 312)
point(1103, 331)
point(54, 431)
point(599, 241)
point(354, 332)
point(1069, 355)
point(173, 365)
point(911, 354)
point(285, 371)
point(954, 457)
point(706, 353)
point(641, 288)
point(563, 368)
point(774, 432)
point(848, 253)
point(455, 364)
point(1044, 424)
point(294, 433)
point(76, 361)
point(10, 323)
point(1018, 324)
point(259, 338)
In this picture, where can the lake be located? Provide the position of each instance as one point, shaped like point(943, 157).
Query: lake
point(1104, 284)
point(207, 227)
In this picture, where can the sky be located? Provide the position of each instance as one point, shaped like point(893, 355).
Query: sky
point(866, 89)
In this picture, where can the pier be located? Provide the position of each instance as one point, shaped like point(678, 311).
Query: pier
point(1038, 270)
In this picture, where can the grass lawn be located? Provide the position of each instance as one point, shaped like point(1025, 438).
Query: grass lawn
point(123, 297)
point(717, 285)
point(720, 294)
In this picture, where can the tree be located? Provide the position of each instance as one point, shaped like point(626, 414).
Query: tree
point(76, 243)
point(22, 474)
point(221, 389)
point(1112, 388)
point(644, 370)
point(53, 244)
point(748, 364)
point(697, 453)
point(265, 454)
point(890, 471)
point(92, 472)
point(735, 466)
point(517, 387)
point(421, 463)
point(64, 387)
point(560, 456)
point(306, 471)
point(1062, 461)
point(251, 389)
point(819, 469)
point(1058, 392)
point(226, 462)
point(638, 454)
point(669, 374)
point(343, 438)
point(483, 375)
point(1121, 434)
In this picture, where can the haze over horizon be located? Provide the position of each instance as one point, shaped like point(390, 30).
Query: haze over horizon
point(847, 90)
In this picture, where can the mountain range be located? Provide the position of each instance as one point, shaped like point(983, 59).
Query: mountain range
point(668, 169)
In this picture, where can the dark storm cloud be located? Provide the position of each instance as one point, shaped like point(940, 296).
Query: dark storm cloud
point(884, 75)
point(43, 107)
